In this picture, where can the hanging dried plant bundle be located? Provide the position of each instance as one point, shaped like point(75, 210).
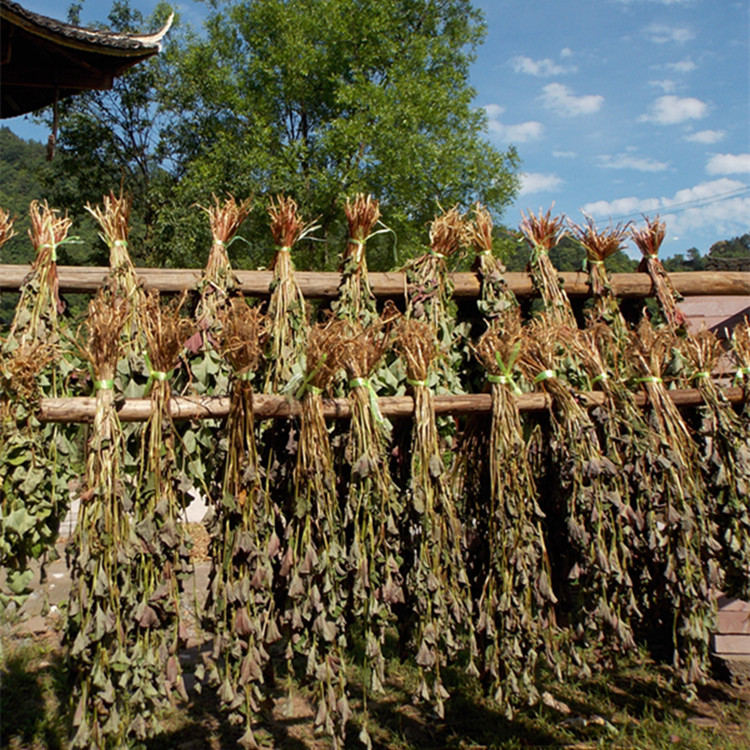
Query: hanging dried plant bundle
point(624, 438)
point(437, 582)
point(588, 488)
point(40, 304)
point(356, 300)
point(648, 240)
point(495, 299)
point(102, 603)
point(162, 546)
point(516, 618)
point(372, 509)
point(542, 232)
point(218, 280)
point(741, 351)
point(287, 314)
point(725, 452)
point(679, 523)
point(28, 479)
point(599, 245)
point(6, 227)
point(315, 563)
point(429, 293)
point(113, 217)
point(240, 610)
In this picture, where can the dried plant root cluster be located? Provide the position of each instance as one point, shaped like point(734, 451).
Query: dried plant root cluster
point(516, 622)
point(103, 603)
point(356, 301)
point(315, 562)
point(287, 313)
point(437, 583)
point(225, 218)
point(113, 216)
point(588, 487)
point(240, 611)
point(371, 508)
point(40, 305)
point(680, 528)
point(724, 440)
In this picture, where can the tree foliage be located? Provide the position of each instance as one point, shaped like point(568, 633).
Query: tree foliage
point(318, 99)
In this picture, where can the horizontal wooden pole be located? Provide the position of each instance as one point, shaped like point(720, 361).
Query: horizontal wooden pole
point(324, 285)
point(83, 409)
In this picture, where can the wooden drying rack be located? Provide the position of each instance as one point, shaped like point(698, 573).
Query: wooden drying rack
point(324, 285)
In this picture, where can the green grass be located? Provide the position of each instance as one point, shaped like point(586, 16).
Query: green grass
point(631, 706)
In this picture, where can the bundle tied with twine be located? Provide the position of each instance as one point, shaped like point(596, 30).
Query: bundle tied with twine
point(600, 245)
point(516, 626)
point(724, 440)
point(240, 610)
point(648, 240)
point(102, 600)
point(588, 486)
point(225, 218)
point(438, 586)
point(40, 305)
point(372, 509)
point(680, 529)
point(543, 233)
point(113, 216)
point(355, 298)
point(314, 569)
point(28, 512)
point(163, 548)
point(495, 298)
point(287, 315)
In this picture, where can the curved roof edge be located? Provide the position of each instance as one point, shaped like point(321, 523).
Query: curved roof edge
point(77, 37)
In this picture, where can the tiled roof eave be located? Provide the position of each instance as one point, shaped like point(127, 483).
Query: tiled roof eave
point(88, 40)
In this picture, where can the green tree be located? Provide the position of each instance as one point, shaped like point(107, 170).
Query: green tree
point(323, 98)
point(21, 163)
point(693, 262)
point(318, 99)
point(113, 138)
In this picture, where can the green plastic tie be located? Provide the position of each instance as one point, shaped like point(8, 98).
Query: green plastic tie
point(545, 375)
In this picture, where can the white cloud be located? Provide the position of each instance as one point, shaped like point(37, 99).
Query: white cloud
point(729, 164)
point(536, 182)
point(671, 110)
point(721, 207)
point(706, 136)
point(666, 85)
point(629, 161)
point(539, 68)
point(493, 110)
point(522, 132)
point(566, 52)
point(660, 33)
point(561, 99)
point(564, 154)
point(683, 66)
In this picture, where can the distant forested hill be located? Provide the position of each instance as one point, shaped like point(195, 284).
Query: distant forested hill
point(21, 166)
point(25, 176)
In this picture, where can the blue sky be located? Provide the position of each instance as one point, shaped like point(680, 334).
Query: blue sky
point(624, 107)
point(616, 107)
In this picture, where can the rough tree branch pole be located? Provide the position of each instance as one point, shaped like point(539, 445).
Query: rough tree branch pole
point(82, 409)
point(325, 285)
